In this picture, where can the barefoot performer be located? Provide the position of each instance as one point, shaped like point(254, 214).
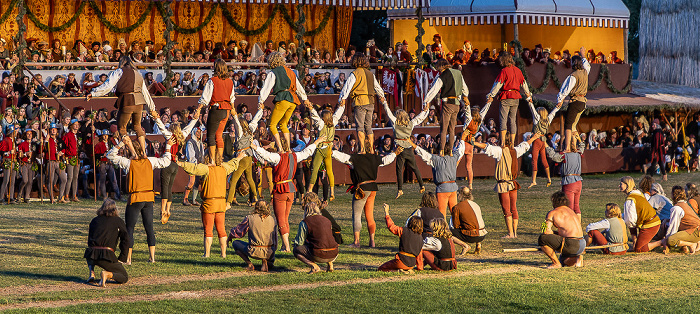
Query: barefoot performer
point(132, 94)
point(219, 95)
point(507, 169)
point(284, 165)
point(403, 129)
point(684, 224)
point(139, 171)
point(468, 224)
point(540, 124)
point(611, 230)
point(570, 171)
point(284, 84)
point(315, 242)
point(242, 145)
point(575, 87)
point(362, 87)
point(444, 173)
point(410, 243)
point(639, 216)
point(262, 237)
point(363, 172)
point(213, 207)
point(569, 239)
point(509, 82)
point(325, 124)
point(106, 231)
point(168, 174)
point(451, 87)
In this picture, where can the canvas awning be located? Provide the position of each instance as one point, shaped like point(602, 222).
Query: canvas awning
point(356, 4)
point(590, 13)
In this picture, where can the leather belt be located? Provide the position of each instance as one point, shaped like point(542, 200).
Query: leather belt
point(439, 183)
point(407, 254)
point(447, 259)
point(102, 248)
point(261, 245)
point(283, 182)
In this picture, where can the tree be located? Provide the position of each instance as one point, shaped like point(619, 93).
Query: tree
point(367, 25)
point(633, 38)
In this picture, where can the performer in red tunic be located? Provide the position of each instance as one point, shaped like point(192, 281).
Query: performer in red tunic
point(219, 95)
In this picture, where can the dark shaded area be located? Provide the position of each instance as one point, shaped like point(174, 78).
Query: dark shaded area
point(633, 39)
point(367, 25)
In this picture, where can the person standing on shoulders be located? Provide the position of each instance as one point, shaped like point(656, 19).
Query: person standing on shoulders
point(575, 87)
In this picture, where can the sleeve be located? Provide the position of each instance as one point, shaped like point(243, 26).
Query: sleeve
point(389, 114)
point(392, 227)
point(163, 129)
point(495, 88)
point(107, 86)
point(586, 65)
point(163, 161)
point(231, 165)
point(267, 87)
point(566, 88)
point(124, 241)
point(535, 116)
point(434, 90)
point(526, 89)
point(465, 89)
point(432, 244)
point(317, 119)
point(426, 156)
point(387, 159)
point(306, 153)
point(206, 93)
point(522, 148)
point(301, 234)
point(300, 90)
point(239, 231)
point(603, 224)
point(494, 151)
point(378, 87)
point(195, 169)
point(233, 95)
point(254, 123)
point(121, 162)
point(551, 115)
point(342, 157)
point(417, 120)
point(188, 129)
point(147, 97)
point(484, 111)
point(630, 214)
point(338, 114)
point(459, 149)
point(553, 155)
point(263, 154)
point(674, 222)
point(345, 92)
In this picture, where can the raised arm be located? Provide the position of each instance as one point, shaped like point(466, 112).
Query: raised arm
point(426, 156)
point(163, 130)
point(262, 154)
point(553, 113)
point(113, 157)
point(342, 157)
point(388, 112)
point(338, 114)
point(484, 111)
point(390, 223)
point(107, 86)
point(308, 151)
point(194, 169)
point(253, 124)
point(417, 120)
point(163, 161)
point(535, 115)
point(317, 119)
point(206, 93)
point(189, 127)
point(267, 87)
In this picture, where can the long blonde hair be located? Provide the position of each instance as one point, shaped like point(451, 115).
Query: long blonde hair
point(327, 117)
point(542, 111)
point(440, 230)
point(177, 133)
point(244, 126)
point(221, 69)
point(402, 117)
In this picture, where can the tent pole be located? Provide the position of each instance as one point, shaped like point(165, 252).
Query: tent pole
point(515, 31)
point(626, 32)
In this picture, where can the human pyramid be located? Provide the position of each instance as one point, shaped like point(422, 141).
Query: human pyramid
point(427, 236)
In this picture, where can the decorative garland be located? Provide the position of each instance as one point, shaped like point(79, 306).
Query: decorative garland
point(184, 30)
point(419, 37)
point(7, 13)
point(115, 29)
point(313, 32)
point(167, 20)
point(300, 26)
point(229, 18)
point(59, 28)
point(22, 43)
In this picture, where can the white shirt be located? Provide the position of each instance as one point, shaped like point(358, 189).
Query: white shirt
point(536, 116)
point(570, 82)
point(345, 158)
point(417, 120)
point(270, 83)
point(600, 225)
point(677, 213)
point(629, 214)
point(350, 82)
point(209, 90)
point(319, 122)
point(274, 158)
point(497, 151)
point(111, 82)
point(124, 163)
point(435, 89)
point(428, 157)
point(185, 131)
point(253, 124)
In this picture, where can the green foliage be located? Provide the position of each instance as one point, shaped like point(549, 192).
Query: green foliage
point(59, 28)
point(370, 24)
point(184, 30)
point(419, 37)
point(19, 38)
point(8, 11)
point(633, 36)
point(167, 20)
point(232, 21)
point(115, 29)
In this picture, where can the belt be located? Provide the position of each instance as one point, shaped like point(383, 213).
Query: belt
point(447, 259)
point(327, 250)
point(365, 182)
point(407, 254)
point(238, 150)
point(649, 224)
point(403, 139)
point(102, 248)
point(261, 245)
point(439, 183)
point(574, 238)
point(283, 182)
point(511, 90)
point(134, 192)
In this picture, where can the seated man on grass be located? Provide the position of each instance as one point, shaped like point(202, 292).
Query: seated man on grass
point(569, 239)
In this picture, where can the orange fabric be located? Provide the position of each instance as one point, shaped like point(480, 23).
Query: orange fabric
point(394, 264)
point(293, 84)
point(140, 179)
point(211, 219)
point(282, 205)
point(369, 212)
point(214, 191)
point(445, 201)
point(222, 92)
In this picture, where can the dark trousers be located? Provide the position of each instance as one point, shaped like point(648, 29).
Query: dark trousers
point(407, 159)
point(447, 125)
point(107, 172)
point(216, 122)
point(132, 215)
point(8, 183)
point(116, 268)
point(167, 179)
point(322, 179)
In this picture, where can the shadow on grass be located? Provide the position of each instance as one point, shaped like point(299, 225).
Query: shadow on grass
point(28, 275)
point(510, 261)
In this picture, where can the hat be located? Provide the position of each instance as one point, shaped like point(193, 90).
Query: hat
point(106, 132)
point(547, 50)
point(432, 107)
point(9, 128)
point(53, 126)
point(73, 121)
point(657, 187)
point(5, 74)
point(28, 129)
point(149, 42)
point(107, 48)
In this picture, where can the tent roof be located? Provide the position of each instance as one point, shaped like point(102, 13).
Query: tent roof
point(356, 4)
point(597, 13)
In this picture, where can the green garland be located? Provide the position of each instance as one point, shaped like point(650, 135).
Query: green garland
point(295, 25)
point(229, 18)
point(184, 30)
point(419, 38)
point(116, 29)
point(167, 15)
point(59, 28)
point(7, 13)
point(300, 26)
point(22, 43)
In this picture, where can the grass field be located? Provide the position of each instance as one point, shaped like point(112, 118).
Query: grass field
point(42, 269)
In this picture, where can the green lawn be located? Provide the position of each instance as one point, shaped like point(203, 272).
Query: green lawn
point(42, 247)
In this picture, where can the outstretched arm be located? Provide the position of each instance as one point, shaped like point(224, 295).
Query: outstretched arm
point(388, 112)
point(426, 156)
point(317, 119)
point(254, 122)
point(194, 169)
point(119, 161)
point(338, 114)
point(107, 86)
point(262, 154)
point(342, 157)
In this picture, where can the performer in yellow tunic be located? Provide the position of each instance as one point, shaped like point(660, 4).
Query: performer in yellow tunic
point(213, 191)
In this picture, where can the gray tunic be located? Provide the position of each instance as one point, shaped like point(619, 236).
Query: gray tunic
point(570, 169)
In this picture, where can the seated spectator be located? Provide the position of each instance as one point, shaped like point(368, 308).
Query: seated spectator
point(338, 85)
point(201, 83)
point(323, 84)
point(154, 87)
point(57, 86)
point(251, 84)
point(189, 87)
point(527, 58)
point(89, 82)
point(72, 88)
point(614, 58)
